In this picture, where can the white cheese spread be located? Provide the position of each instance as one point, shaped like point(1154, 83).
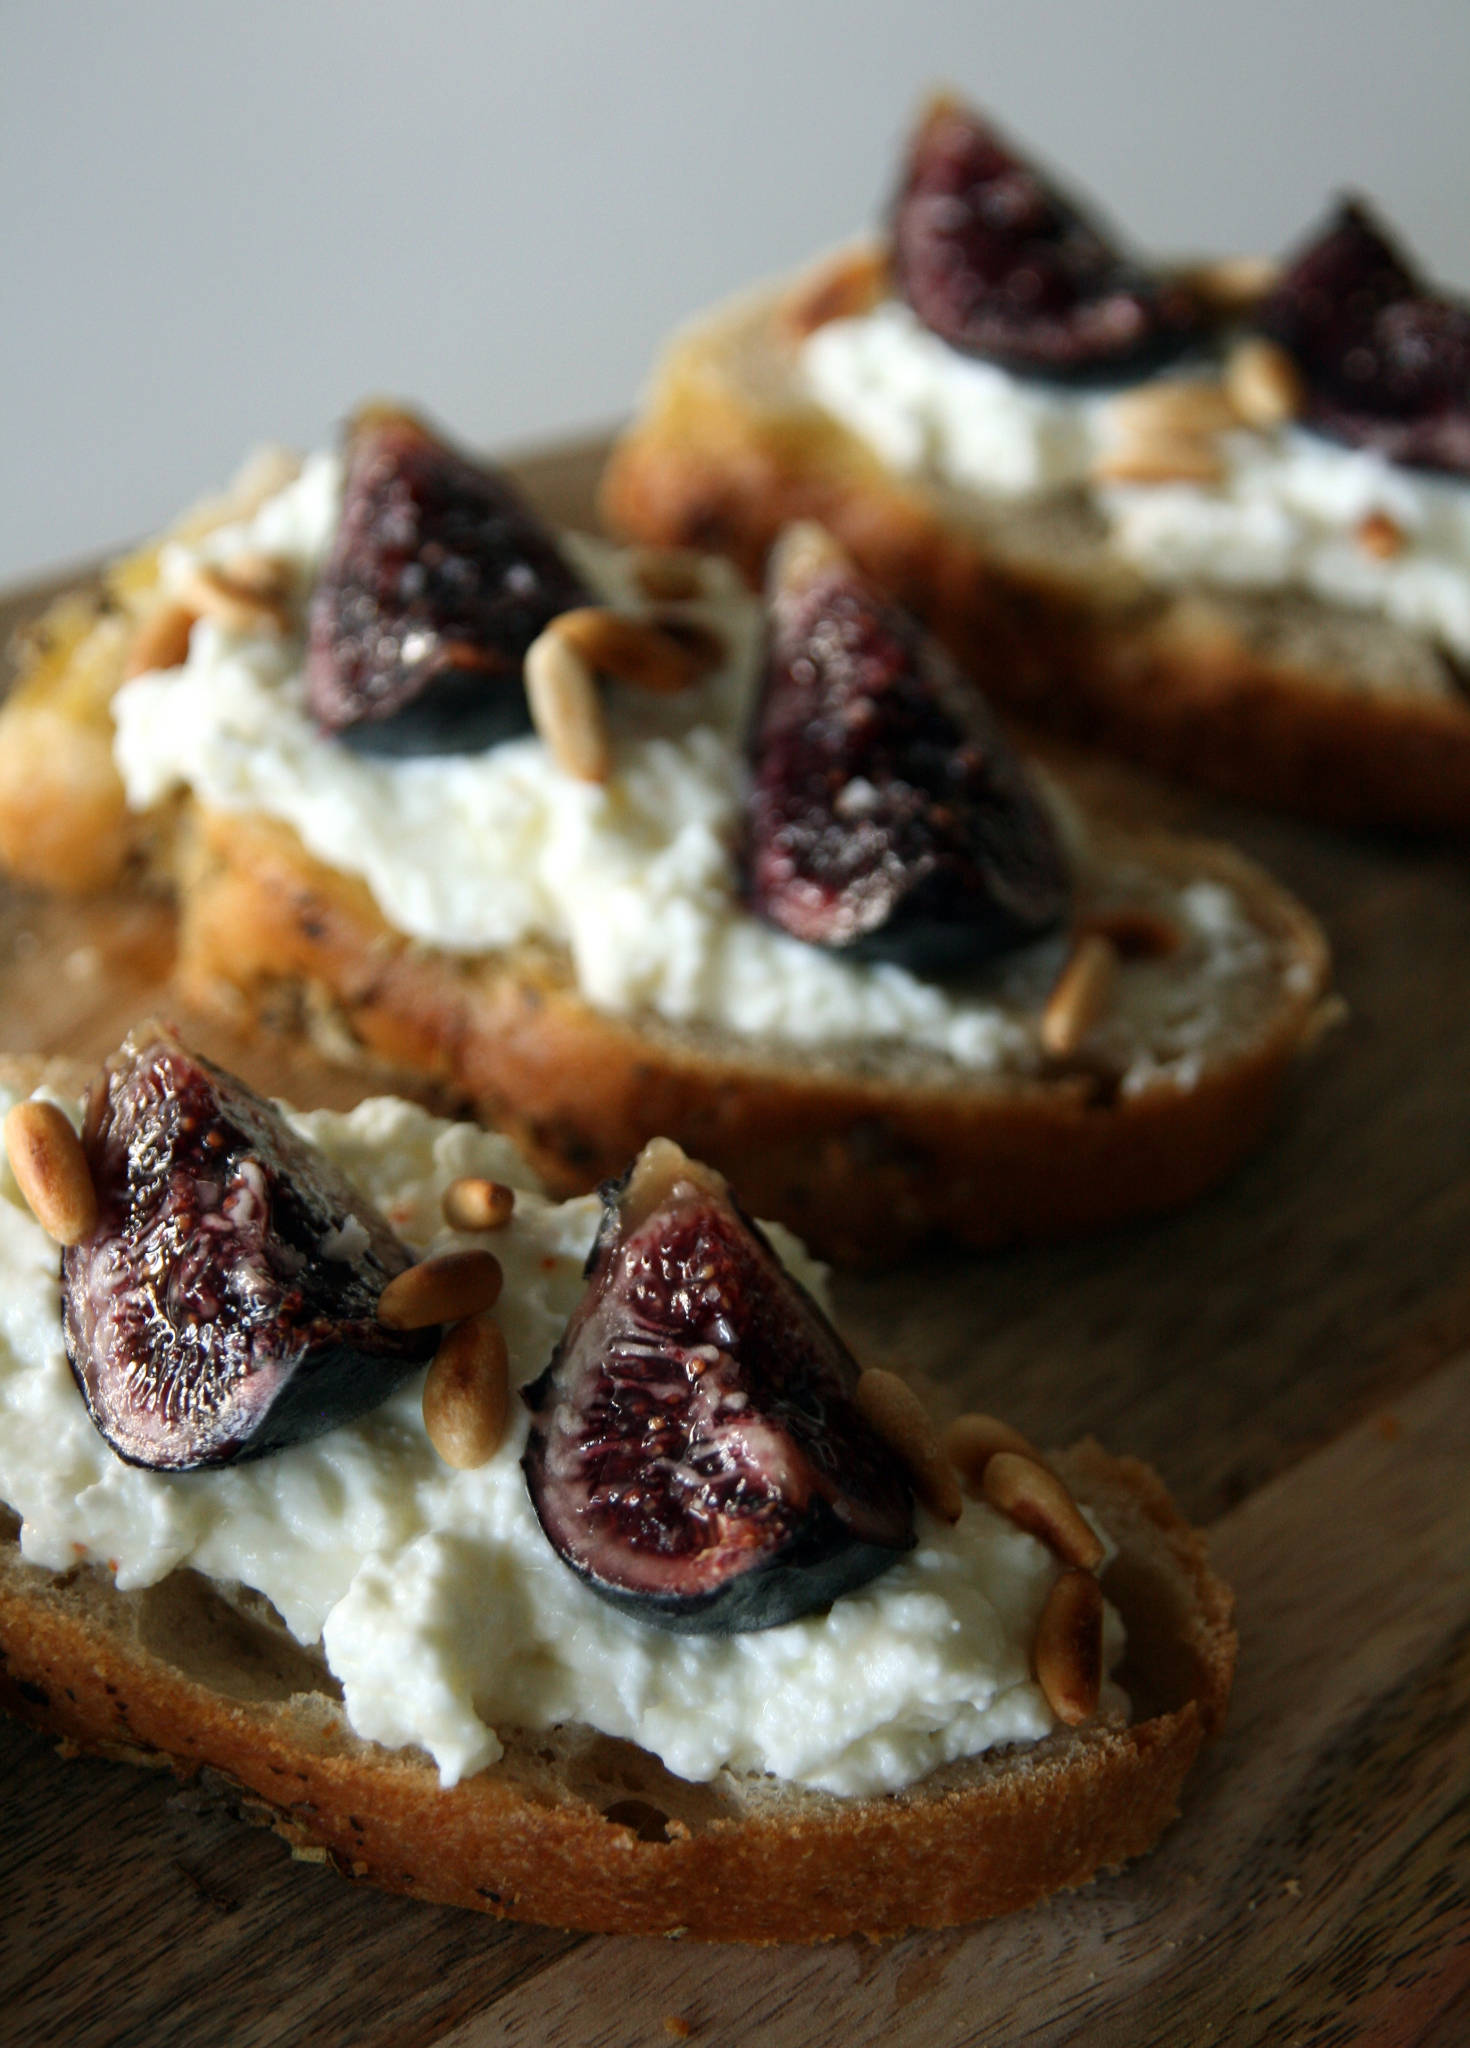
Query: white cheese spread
point(636, 877)
point(442, 1609)
point(1284, 514)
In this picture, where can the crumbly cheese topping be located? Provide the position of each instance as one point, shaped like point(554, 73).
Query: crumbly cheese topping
point(637, 876)
point(443, 1610)
point(1285, 513)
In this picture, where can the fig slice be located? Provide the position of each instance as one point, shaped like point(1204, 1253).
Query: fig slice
point(998, 262)
point(695, 1452)
point(1384, 358)
point(225, 1304)
point(888, 817)
point(438, 581)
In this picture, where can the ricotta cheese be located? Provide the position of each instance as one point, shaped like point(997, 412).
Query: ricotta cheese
point(1284, 515)
point(440, 1606)
point(636, 877)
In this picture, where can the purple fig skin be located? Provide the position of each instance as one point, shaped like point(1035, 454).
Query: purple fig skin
point(695, 1453)
point(888, 818)
point(438, 581)
point(1385, 360)
point(1000, 263)
point(213, 1315)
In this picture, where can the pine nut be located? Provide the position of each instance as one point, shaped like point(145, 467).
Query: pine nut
point(467, 1394)
point(444, 1288)
point(1380, 536)
point(565, 707)
point(162, 641)
point(1159, 458)
point(1231, 286)
point(897, 1414)
point(471, 1204)
point(51, 1170)
point(630, 650)
point(1135, 934)
point(848, 283)
point(1186, 406)
point(1068, 1653)
point(697, 643)
point(1037, 1501)
point(1263, 384)
point(244, 595)
point(669, 577)
point(971, 1441)
point(1081, 994)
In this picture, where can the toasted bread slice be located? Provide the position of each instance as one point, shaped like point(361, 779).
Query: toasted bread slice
point(577, 1829)
point(1279, 697)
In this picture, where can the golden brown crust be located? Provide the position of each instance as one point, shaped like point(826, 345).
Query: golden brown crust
point(64, 819)
point(1201, 685)
point(859, 1163)
point(530, 1840)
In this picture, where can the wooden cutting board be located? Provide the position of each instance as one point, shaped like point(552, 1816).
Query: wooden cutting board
point(1293, 1354)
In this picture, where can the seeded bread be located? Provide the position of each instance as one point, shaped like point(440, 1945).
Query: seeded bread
point(1280, 698)
point(575, 1829)
point(865, 1148)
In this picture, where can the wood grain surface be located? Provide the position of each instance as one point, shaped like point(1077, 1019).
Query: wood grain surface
point(1293, 1354)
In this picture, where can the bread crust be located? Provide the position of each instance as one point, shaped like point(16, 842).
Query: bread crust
point(64, 817)
point(860, 1163)
point(532, 1837)
point(1203, 684)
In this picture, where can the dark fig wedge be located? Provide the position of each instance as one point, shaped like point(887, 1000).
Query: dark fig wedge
point(1000, 263)
point(1384, 358)
point(695, 1453)
point(225, 1304)
point(888, 817)
point(440, 578)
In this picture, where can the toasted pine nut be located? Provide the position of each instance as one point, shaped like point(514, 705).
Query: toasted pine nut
point(1186, 406)
point(901, 1419)
point(471, 1204)
point(699, 643)
point(565, 707)
point(849, 283)
point(444, 1288)
point(1037, 1501)
point(1135, 933)
point(1080, 995)
point(467, 1394)
point(243, 595)
point(51, 1170)
point(630, 650)
point(1380, 536)
point(162, 641)
point(670, 576)
point(1263, 384)
point(971, 1441)
point(1068, 1652)
point(1231, 286)
point(1160, 459)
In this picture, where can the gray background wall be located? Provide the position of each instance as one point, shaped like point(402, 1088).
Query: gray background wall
point(226, 221)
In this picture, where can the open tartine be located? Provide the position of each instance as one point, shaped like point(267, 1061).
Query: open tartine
point(566, 1824)
point(585, 1029)
point(974, 405)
